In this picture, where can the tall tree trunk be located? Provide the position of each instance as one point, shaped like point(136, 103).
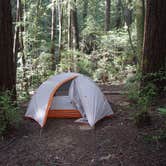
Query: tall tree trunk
point(16, 33)
point(60, 15)
point(154, 51)
point(36, 44)
point(140, 14)
point(7, 60)
point(74, 26)
point(118, 21)
point(25, 82)
point(16, 43)
point(69, 25)
point(52, 50)
point(107, 15)
point(127, 13)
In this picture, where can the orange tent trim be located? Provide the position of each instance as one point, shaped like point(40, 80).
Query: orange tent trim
point(64, 114)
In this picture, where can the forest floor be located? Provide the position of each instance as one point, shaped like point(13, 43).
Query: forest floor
point(113, 142)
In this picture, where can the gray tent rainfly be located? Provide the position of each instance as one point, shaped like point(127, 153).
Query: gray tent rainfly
point(68, 95)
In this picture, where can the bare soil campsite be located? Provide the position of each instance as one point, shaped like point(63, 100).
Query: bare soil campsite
point(116, 141)
point(82, 82)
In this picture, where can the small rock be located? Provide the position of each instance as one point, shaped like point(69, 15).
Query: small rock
point(92, 161)
point(86, 127)
point(124, 103)
point(105, 157)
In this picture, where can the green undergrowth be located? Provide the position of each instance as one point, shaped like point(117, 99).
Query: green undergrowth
point(9, 113)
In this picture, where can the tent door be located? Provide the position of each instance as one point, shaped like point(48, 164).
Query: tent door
point(62, 107)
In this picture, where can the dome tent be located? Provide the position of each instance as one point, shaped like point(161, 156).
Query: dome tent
point(83, 98)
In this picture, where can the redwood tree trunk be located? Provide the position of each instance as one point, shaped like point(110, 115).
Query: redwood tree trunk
point(154, 50)
point(107, 15)
point(7, 60)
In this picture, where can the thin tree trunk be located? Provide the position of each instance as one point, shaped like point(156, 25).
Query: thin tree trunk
point(7, 60)
point(22, 29)
point(107, 15)
point(52, 50)
point(16, 33)
point(118, 21)
point(128, 21)
point(38, 3)
point(140, 14)
point(16, 43)
point(74, 26)
point(69, 25)
point(131, 42)
point(154, 51)
point(60, 15)
point(75, 33)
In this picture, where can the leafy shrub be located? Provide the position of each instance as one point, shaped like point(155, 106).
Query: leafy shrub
point(9, 115)
point(142, 99)
point(133, 87)
point(84, 66)
point(142, 118)
point(162, 111)
point(76, 61)
point(161, 135)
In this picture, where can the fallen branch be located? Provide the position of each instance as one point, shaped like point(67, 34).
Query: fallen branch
point(114, 92)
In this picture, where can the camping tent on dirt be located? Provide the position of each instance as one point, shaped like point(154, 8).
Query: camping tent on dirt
point(68, 95)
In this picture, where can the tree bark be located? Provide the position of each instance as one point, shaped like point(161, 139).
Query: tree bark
point(118, 21)
point(60, 15)
point(16, 33)
point(36, 43)
point(107, 15)
point(74, 26)
point(7, 60)
point(140, 14)
point(69, 25)
point(127, 14)
point(154, 50)
point(52, 50)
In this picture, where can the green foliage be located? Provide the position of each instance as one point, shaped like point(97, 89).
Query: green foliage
point(114, 55)
point(142, 118)
point(9, 115)
point(161, 136)
point(142, 99)
point(76, 61)
point(158, 79)
point(162, 111)
point(84, 66)
point(133, 86)
point(106, 57)
point(141, 96)
point(155, 138)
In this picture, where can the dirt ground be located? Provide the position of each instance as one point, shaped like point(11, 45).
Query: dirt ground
point(113, 142)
